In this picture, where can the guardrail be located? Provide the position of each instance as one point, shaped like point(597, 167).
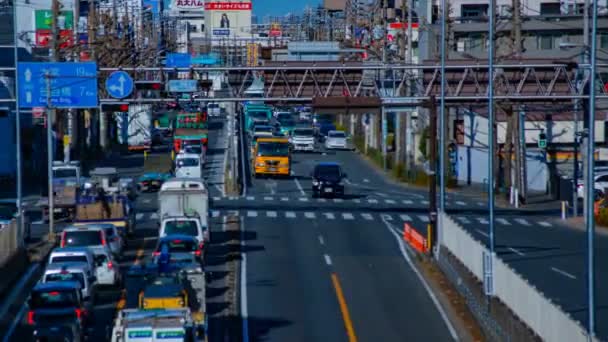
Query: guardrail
point(9, 243)
point(545, 318)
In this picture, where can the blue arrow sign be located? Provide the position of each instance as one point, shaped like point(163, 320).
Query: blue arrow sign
point(119, 84)
point(178, 60)
point(66, 85)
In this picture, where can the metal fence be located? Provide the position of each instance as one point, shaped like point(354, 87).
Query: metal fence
point(545, 318)
point(9, 243)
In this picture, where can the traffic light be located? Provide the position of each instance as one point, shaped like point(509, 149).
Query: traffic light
point(115, 107)
point(148, 85)
point(542, 140)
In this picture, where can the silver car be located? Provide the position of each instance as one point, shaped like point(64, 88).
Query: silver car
point(71, 271)
point(336, 140)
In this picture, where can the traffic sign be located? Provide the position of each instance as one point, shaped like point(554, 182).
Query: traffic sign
point(542, 140)
point(119, 84)
point(71, 85)
point(178, 60)
point(182, 86)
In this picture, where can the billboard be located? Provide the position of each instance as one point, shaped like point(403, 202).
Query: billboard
point(228, 18)
point(188, 5)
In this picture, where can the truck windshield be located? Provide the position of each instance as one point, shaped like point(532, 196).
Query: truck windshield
point(54, 299)
point(258, 115)
point(65, 276)
point(306, 132)
point(83, 238)
point(181, 227)
point(65, 173)
point(187, 162)
point(272, 149)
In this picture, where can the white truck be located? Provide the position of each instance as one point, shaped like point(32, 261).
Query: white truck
point(184, 199)
point(67, 181)
point(167, 325)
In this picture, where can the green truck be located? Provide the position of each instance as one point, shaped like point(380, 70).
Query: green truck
point(190, 128)
point(255, 113)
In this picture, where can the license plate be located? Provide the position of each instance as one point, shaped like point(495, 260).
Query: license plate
point(328, 190)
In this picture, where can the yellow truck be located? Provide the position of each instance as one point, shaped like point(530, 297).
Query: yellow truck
point(163, 293)
point(271, 156)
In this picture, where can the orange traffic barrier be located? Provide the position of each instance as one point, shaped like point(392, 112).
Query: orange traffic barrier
point(414, 239)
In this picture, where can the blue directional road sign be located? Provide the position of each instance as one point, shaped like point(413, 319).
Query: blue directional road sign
point(182, 86)
point(119, 84)
point(178, 60)
point(68, 85)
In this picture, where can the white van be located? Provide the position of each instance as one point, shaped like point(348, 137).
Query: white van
point(188, 165)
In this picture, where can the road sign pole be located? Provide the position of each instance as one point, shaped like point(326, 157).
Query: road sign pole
point(18, 129)
point(49, 144)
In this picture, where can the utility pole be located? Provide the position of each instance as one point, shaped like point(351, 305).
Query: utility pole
point(586, 103)
point(432, 105)
point(18, 129)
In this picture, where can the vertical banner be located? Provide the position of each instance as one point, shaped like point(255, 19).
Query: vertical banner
point(252, 54)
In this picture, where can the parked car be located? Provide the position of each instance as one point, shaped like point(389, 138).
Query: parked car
point(327, 180)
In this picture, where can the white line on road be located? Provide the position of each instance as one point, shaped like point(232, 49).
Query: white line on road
point(564, 273)
point(366, 180)
point(425, 202)
point(381, 194)
point(252, 213)
point(367, 216)
point(522, 221)
point(327, 259)
point(271, 214)
point(338, 200)
point(303, 199)
point(284, 199)
point(407, 202)
point(482, 232)
point(356, 200)
point(516, 251)
point(348, 216)
point(460, 203)
point(310, 215)
point(217, 198)
point(389, 201)
point(322, 200)
point(321, 241)
point(372, 200)
point(268, 198)
point(423, 218)
point(544, 223)
point(387, 217)
point(38, 222)
point(147, 200)
point(481, 204)
point(482, 220)
point(299, 187)
point(329, 216)
point(250, 198)
point(290, 214)
point(503, 221)
point(406, 218)
point(428, 289)
point(463, 219)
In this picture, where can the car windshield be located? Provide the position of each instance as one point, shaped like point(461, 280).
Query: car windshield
point(305, 132)
point(178, 245)
point(337, 135)
point(330, 172)
point(272, 149)
point(66, 276)
point(68, 258)
point(64, 173)
point(187, 162)
point(54, 299)
point(183, 227)
point(82, 238)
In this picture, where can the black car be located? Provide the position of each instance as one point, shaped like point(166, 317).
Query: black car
point(327, 180)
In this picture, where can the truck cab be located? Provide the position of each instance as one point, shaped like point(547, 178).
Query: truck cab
point(63, 172)
point(271, 156)
point(67, 181)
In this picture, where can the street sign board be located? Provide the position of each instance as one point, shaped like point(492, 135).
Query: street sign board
point(44, 20)
point(72, 85)
point(221, 32)
point(119, 84)
point(182, 86)
point(178, 60)
point(204, 60)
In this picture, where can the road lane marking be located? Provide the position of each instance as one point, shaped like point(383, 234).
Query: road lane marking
point(348, 324)
point(482, 232)
point(367, 216)
point(154, 216)
point(482, 220)
point(366, 180)
point(522, 221)
point(423, 218)
point(310, 215)
point(322, 200)
point(217, 198)
point(147, 200)
point(284, 199)
point(381, 194)
point(481, 204)
point(329, 216)
point(387, 217)
point(406, 218)
point(460, 203)
point(372, 200)
point(252, 213)
point(268, 198)
point(338, 200)
point(290, 214)
point(503, 221)
point(544, 223)
point(356, 200)
point(299, 187)
point(389, 201)
point(327, 259)
point(250, 198)
point(396, 232)
point(303, 199)
point(425, 202)
point(463, 219)
point(407, 202)
point(348, 216)
point(215, 213)
point(233, 198)
point(564, 273)
point(321, 240)
point(516, 251)
point(139, 216)
point(271, 214)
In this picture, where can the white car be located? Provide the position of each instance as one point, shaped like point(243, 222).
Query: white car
point(188, 165)
point(71, 271)
point(73, 254)
point(214, 109)
point(106, 269)
point(336, 140)
point(113, 238)
point(197, 149)
point(600, 184)
point(303, 139)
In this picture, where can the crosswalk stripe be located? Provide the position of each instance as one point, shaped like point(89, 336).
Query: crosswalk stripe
point(407, 202)
point(460, 203)
point(338, 200)
point(406, 218)
point(389, 201)
point(387, 217)
point(522, 221)
point(284, 199)
point(271, 214)
point(303, 199)
point(356, 200)
point(233, 198)
point(216, 198)
point(322, 200)
point(268, 198)
point(424, 202)
point(372, 200)
point(503, 221)
point(423, 218)
point(347, 216)
point(367, 216)
point(463, 219)
point(290, 214)
point(329, 216)
point(483, 220)
point(250, 198)
point(215, 213)
point(139, 216)
point(252, 213)
point(310, 215)
point(545, 224)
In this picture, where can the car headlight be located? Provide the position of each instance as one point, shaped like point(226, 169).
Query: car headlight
point(315, 183)
point(260, 164)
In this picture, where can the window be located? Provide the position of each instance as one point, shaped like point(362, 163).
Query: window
point(475, 42)
point(181, 227)
point(192, 27)
point(202, 27)
point(548, 41)
point(603, 40)
point(83, 238)
point(473, 11)
point(66, 276)
point(550, 8)
point(273, 149)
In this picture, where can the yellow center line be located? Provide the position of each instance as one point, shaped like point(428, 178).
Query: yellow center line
point(348, 324)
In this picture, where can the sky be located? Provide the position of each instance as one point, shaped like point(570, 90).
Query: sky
point(280, 7)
